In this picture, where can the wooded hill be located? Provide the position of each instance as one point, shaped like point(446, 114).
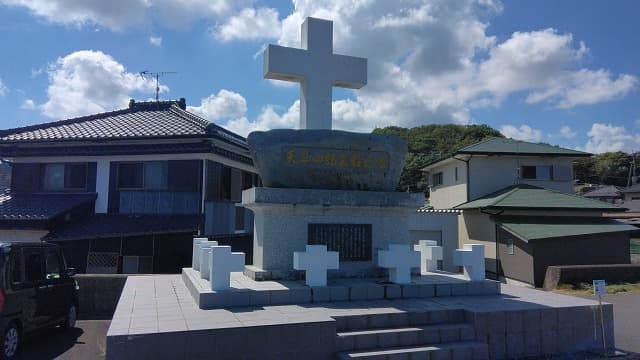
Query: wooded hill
point(431, 142)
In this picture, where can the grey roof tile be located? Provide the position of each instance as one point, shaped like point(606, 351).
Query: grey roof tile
point(40, 206)
point(141, 120)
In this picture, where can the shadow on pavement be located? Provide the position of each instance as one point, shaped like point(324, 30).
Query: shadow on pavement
point(49, 344)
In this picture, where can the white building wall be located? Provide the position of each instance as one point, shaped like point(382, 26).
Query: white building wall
point(102, 186)
point(452, 192)
point(430, 224)
point(492, 173)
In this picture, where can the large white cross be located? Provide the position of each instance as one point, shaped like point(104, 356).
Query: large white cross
point(471, 257)
point(316, 261)
point(317, 69)
point(430, 253)
point(399, 259)
point(222, 262)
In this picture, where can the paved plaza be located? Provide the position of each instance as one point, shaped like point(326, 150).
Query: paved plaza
point(154, 309)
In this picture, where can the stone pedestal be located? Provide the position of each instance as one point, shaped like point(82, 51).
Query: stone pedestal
point(355, 223)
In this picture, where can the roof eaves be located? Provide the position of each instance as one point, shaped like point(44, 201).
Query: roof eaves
point(522, 153)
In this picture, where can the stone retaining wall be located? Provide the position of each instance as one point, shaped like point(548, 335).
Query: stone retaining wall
point(99, 294)
point(568, 274)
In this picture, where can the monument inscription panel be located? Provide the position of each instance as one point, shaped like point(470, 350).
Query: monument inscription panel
point(351, 241)
point(336, 158)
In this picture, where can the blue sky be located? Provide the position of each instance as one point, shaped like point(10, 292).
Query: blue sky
point(563, 72)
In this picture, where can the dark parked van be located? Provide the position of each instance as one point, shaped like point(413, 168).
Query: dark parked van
point(37, 291)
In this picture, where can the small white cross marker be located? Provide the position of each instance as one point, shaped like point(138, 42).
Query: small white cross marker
point(471, 257)
point(317, 69)
point(222, 262)
point(399, 259)
point(316, 261)
point(430, 253)
point(205, 250)
point(195, 258)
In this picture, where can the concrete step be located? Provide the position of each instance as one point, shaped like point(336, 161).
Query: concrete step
point(397, 319)
point(464, 350)
point(406, 336)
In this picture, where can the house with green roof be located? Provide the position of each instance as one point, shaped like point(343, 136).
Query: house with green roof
point(516, 198)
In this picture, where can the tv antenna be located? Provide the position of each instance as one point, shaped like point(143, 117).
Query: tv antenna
point(156, 74)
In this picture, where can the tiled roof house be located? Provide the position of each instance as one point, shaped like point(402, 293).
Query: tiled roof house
point(128, 187)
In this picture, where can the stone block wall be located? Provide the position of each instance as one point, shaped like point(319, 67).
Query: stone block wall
point(543, 332)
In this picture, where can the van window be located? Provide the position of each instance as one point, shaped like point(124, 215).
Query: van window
point(33, 264)
point(16, 267)
point(53, 264)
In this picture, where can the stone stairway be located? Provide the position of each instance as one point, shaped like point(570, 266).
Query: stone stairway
point(440, 334)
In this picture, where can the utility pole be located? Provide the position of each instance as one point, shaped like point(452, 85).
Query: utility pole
point(156, 74)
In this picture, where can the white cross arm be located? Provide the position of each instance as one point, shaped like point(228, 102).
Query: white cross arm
point(283, 63)
point(349, 71)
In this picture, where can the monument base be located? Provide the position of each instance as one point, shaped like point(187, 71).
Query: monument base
point(357, 224)
point(247, 292)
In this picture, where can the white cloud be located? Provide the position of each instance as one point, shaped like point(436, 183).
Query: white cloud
point(229, 109)
point(155, 41)
point(250, 24)
point(584, 87)
point(567, 133)
point(28, 105)
point(433, 61)
point(3, 88)
point(224, 104)
point(87, 82)
point(119, 15)
point(524, 133)
point(607, 137)
point(268, 119)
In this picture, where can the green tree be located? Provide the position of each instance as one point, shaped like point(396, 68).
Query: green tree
point(431, 142)
point(612, 168)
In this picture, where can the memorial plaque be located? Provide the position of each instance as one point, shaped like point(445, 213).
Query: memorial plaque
point(351, 241)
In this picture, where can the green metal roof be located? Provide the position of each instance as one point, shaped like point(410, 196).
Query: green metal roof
point(525, 196)
point(515, 147)
point(541, 229)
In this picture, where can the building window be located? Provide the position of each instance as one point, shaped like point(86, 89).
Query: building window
point(436, 179)
point(537, 172)
point(456, 174)
point(61, 177)
point(633, 198)
point(150, 175)
point(510, 246)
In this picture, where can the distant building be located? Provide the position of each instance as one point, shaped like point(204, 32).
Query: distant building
point(517, 199)
point(126, 190)
point(608, 193)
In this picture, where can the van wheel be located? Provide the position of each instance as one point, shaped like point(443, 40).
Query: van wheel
point(10, 341)
point(70, 319)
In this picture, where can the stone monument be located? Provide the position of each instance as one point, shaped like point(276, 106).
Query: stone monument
point(322, 186)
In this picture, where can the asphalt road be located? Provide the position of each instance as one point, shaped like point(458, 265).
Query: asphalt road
point(86, 341)
point(626, 317)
